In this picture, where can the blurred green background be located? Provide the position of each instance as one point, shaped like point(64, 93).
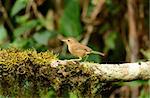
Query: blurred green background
point(119, 28)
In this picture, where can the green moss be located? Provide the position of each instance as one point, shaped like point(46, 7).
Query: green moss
point(26, 73)
point(16, 57)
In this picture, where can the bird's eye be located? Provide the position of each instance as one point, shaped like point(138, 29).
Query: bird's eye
point(68, 40)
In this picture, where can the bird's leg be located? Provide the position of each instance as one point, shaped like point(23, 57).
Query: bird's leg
point(79, 59)
point(86, 58)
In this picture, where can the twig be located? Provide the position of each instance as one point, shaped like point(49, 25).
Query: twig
point(5, 15)
point(85, 8)
point(89, 21)
point(28, 6)
point(97, 9)
point(87, 34)
point(36, 12)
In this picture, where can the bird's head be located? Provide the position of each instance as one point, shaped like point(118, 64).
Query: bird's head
point(70, 40)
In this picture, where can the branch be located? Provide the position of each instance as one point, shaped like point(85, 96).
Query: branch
point(125, 72)
point(90, 22)
point(27, 69)
point(5, 16)
point(115, 72)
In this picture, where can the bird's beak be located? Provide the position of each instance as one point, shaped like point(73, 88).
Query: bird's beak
point(64, 40)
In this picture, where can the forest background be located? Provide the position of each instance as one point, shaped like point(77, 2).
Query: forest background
point(119, 28)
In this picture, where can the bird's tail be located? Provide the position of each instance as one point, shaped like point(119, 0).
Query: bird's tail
point(96, 52)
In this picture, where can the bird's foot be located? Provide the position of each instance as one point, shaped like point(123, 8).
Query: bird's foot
point(75, 59)
point(86, 58)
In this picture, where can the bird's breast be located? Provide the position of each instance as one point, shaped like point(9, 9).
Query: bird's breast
point(78, 52)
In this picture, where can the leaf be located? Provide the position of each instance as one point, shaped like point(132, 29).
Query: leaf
point(3, 34)
point(104, 28)
point(146, 53)
point(113, 7)
point(49, 20)
point(18, 6)
point(25, 27)
point(70, 21)
point(19, 42)
point(90, 10)
point(42, 37)
point(22, 19)
point(94, 58)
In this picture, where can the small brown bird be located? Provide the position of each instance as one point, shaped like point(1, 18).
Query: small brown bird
point(79, 50)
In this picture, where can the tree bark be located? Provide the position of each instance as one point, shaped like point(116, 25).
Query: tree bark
point(133, 34)
point(116, 72)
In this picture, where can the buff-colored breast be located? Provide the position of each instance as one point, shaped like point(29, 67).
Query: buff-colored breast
point(79, 50)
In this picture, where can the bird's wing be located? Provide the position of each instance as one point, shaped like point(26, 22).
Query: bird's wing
point(83, 48)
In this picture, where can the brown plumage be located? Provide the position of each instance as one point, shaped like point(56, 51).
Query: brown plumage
point(77, 49)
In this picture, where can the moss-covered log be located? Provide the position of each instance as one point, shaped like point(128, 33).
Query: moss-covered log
point(26, 73)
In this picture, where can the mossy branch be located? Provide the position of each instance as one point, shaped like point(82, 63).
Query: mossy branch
point(114, 72)
point(43, 70)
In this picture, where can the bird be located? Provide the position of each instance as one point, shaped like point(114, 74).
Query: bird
point(79, 50)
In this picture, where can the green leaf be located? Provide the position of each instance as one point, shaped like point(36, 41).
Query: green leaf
point(104, 28)
point(22, 19)
point(113, 7)
point(18, 6)
point(25, 27)
point(42, 37)
point(90, 9)
point(146, 53)
point(19, 42)
point(70, 21)
point(3, 34)
point(94, 58)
